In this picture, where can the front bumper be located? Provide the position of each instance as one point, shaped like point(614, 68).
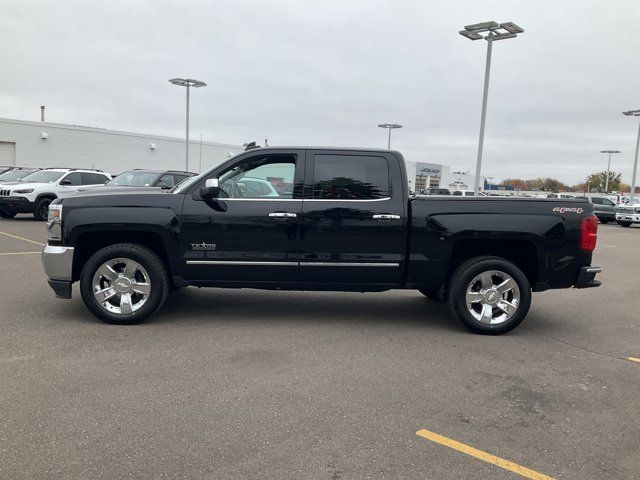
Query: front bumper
point(587, 277)
point(58, 265)
point(628, 217)
point(16, 204)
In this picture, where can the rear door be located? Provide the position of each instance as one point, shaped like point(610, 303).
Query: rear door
point(353, 218)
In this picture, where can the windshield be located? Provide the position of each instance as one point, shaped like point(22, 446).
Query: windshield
point(12, 175)
point(134, 179)
point(43, 176)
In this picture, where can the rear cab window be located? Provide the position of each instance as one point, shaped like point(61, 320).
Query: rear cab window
point(350, 177)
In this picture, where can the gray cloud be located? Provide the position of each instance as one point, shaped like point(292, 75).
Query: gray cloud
point(326, 73)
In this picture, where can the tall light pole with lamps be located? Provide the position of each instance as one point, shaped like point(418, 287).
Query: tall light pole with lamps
point(493, 31)
point(187, 82)
point(390, 126)
point(606, 181)
point(634, 113)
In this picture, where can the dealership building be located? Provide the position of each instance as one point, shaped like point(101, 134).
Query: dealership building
point(433, 175)
point(45, 144)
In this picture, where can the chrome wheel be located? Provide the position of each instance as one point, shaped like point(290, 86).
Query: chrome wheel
point(492, 297)
point(121, 286)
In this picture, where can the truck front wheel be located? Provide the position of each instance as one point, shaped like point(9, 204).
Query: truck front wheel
point(489, 295)
point(124, 283)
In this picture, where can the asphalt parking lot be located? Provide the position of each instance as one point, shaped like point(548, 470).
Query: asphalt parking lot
point(232, 384)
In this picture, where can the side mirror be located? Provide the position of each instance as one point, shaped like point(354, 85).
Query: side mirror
point(210, 189)
point(65, 182)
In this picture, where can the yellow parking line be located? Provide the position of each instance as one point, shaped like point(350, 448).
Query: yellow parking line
point(20, 238)
point(19, 253)
point(634, 359)
point(487, 457)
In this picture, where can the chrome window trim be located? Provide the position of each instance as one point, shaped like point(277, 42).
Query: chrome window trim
point(275, 199)
point(258, 199)
point(346, 200)
point(241, 262)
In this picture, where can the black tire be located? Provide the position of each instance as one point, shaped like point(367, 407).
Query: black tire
point(8, 214)
point(430, 294)
point(149, 260)
point(625, 224)
point(42, 209)
point(603, 221)
point(462, 279)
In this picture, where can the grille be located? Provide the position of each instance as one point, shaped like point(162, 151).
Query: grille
point(5, 193)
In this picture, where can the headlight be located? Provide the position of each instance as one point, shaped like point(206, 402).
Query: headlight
point(54, 222)
point(28, 190)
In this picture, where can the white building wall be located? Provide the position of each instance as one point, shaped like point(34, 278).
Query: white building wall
point(441, 175)
point(108, 150)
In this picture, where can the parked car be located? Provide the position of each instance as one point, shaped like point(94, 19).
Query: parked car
point(348, 225)
point(5, 168)
point(435, 191)
point(560, 195)
point(36, 191)
point(466, 193)
point(604, 209)
point(628, 214)
point(149, 178)
point(16, 173)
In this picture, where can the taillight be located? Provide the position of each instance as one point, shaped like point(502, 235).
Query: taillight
point(588, 233)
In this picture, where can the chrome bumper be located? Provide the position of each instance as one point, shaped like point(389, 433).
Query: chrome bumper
point(58, 262)
point(628, 217)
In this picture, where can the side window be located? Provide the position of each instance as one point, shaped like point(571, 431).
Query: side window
point(267, 176)
point(73, 179)
point(599, 201)
point(350, 177)
point(166, 181)
point(606, 201)
point(91, 179)
point(457, 192)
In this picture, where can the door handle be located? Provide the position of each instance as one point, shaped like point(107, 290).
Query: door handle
point(283, 215)
point(385, 216)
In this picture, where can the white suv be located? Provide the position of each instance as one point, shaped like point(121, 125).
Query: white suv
point(628, 214)
point(34, 193)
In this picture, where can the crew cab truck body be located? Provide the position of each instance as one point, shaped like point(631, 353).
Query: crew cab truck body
point(347, 223)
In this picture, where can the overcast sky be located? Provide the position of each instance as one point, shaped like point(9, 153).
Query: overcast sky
point(328, 72)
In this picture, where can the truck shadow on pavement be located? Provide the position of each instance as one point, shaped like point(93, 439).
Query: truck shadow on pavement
point(220, 305)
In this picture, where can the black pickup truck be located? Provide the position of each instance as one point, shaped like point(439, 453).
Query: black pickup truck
point(317, 219)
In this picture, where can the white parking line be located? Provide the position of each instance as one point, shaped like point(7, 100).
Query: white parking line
point(21, 238)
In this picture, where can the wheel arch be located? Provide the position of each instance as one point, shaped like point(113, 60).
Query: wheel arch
point(522, 253)
point(89, 242)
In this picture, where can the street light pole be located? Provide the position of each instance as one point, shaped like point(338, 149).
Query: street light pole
point(495, 32)
point(606, 181)
point(634, 113)
point(188, 83)
point(390, 126)
point(483, 116)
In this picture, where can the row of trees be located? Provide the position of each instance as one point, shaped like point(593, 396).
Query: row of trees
point(593, 183)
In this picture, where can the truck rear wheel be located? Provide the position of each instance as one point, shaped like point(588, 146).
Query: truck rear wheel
point(124, 283)
point(7, 214)
point(489, 295)
point(625, 224)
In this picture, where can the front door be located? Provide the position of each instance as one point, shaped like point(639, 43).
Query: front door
point(353, 228)
point(250, 234)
